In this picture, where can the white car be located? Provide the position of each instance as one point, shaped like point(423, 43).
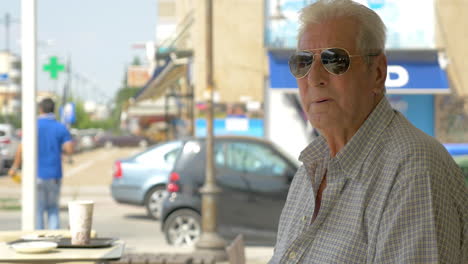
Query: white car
point(8, 145)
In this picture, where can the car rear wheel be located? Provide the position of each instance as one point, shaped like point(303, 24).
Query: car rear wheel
point(153, 201)
point(182, 228)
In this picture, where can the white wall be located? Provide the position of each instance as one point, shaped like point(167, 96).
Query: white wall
point(284, 125)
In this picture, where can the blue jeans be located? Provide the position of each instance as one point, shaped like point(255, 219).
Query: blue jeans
point(48, 194)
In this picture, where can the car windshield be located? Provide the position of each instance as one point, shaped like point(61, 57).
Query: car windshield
point(249, 157)
point(163, 155)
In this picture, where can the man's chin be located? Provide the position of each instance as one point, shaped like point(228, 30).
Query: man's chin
point(318, 121)
point(323, 124)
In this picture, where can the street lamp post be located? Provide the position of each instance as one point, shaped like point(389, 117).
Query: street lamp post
point(7, 22)
point(275, 19)
point(210, 242)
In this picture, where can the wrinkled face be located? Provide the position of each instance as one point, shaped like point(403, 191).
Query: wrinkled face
point(334, 102)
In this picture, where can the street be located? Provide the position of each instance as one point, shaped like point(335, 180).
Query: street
point(89, 177)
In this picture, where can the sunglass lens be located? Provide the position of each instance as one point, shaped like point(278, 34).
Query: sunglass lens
point(299, 63)
point(335, 60)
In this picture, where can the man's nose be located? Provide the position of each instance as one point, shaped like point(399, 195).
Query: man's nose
point(318, 75)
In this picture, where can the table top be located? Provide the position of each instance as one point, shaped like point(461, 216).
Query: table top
point(7, 254)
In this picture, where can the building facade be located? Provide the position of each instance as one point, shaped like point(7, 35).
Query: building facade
point(452, 110)
point(252, 40)
point(10, 83)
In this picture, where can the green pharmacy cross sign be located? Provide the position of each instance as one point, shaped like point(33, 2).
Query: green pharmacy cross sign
point(53, 67)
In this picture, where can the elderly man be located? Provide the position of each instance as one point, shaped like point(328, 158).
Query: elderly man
point(372, 188)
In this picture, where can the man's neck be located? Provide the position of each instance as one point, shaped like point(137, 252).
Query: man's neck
point(42, 114)
point(338, 137)
point(337, 141)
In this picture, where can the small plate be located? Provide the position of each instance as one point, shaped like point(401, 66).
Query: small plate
point(65, 242)
point(41, 237)
point(34, 246)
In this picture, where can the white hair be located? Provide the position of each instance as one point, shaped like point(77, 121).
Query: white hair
point(372, 31)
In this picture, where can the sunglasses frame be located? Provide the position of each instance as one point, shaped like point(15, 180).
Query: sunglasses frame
point(321, 51)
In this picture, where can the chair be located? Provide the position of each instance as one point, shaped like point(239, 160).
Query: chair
point(236, 251)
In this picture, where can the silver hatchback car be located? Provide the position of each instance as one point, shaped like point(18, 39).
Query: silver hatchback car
point(141, 179)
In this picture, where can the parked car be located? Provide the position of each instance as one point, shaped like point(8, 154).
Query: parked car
point(88, 139)
point(8, 145)
point(254, 176)
point(141, 179)
point(75, 139)
point(124, 139)
point(84, 139)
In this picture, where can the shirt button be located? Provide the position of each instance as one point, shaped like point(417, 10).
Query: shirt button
point(292, 255)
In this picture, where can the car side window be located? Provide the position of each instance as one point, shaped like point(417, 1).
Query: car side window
point(254, 158)
point(161, 156)
point(170, 157)
point(219, 154)
point(236, 155)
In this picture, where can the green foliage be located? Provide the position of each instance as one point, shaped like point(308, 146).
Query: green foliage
point(83, 120)
point(136, 61)
point(126, 93)
point(121, 102)
point(14, 119)
point(10, 204)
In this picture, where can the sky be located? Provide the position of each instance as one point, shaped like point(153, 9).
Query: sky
point(97, 36)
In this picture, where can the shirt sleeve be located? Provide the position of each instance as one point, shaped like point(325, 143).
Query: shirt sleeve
point(422, 223)
point(66, 136)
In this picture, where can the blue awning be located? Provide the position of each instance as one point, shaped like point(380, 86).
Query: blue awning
point(409, 72)
point(162, 78)
point(156, 73)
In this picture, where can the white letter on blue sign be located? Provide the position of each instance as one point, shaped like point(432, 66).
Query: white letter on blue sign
point(401, 80)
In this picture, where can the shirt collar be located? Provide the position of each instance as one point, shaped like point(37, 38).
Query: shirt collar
point(351, 157)
point(47, 116)
point(316, 151)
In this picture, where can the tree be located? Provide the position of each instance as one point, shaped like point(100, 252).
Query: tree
point(123, 95)
point(83, 120)
point(136, 61)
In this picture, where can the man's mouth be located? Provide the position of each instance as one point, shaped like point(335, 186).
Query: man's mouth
point(321, 100)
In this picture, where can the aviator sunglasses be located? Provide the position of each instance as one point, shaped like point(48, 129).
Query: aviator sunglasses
point(335, 60)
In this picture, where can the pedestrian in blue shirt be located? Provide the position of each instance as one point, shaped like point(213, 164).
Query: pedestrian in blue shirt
point(53, 139)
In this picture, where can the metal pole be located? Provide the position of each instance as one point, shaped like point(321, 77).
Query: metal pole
point(210, 242)
point(7, 32)
point(66, 86)
point(28, 119)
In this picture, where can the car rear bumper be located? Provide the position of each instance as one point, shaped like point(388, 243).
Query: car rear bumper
point(124, 194)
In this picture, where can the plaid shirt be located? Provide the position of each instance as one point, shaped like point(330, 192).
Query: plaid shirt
point(393, 195)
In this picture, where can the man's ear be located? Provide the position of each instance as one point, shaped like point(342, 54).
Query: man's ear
point(380, 74)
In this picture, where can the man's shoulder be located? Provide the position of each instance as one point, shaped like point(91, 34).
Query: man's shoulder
point(404, 138)
point(54, 125)
point(415, 151)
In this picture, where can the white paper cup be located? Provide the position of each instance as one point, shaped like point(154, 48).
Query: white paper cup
point(80, 215)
